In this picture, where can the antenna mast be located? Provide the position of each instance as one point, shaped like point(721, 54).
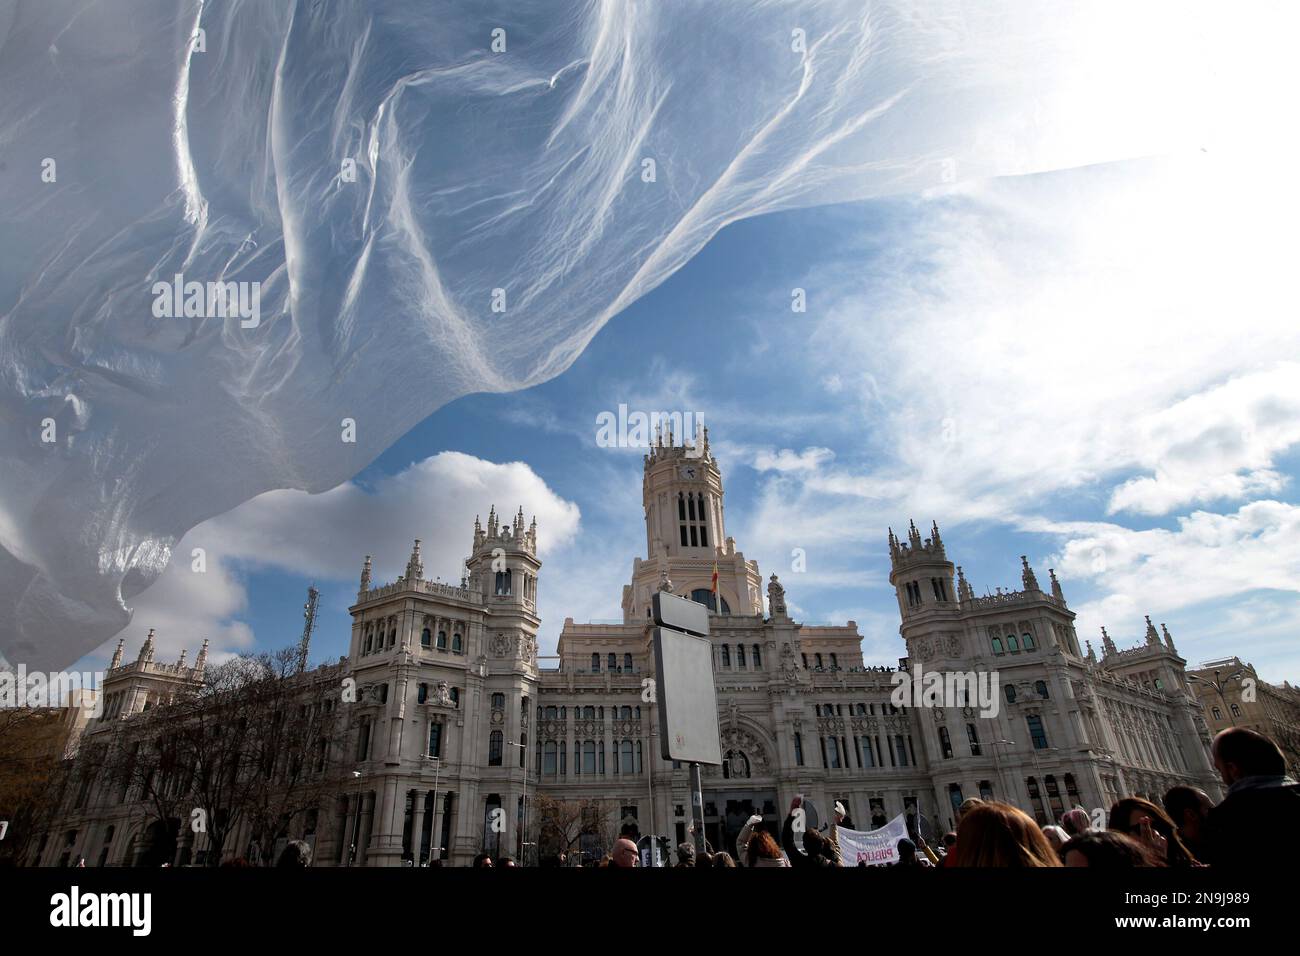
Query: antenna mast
point(309, 624)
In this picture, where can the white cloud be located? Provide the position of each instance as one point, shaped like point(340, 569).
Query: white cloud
point(1210, 568)
point(326, 537)
point(1218, 444)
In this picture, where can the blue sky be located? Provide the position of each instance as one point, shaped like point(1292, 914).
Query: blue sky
point(1076, 366)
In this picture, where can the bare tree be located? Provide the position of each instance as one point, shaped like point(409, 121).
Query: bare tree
point(33, 777)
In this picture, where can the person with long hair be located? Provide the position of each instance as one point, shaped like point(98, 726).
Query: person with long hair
point(998, 835)
point(1150, 825)
point(1108, 850)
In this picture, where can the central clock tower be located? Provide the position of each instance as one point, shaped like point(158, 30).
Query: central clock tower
point(686, 535)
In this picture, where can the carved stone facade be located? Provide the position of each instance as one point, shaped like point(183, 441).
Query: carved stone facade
point(465, 725)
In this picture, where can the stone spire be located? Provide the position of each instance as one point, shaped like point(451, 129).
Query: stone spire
point(415, 565)
point(365, 576)
point(964, 592)
point(935, 540)
point(1152, 636)
point(1027, 576)
point(180, 664)
point(1107, 645)
point(1056, 586)
point(146, 650)
point(117, 654)
point(1092, 655)
point(202, 661)
point(893, 544)
point(519, 523)
point(1169, 638)
point(492, 522)
point(706, 441)
point(913, 536)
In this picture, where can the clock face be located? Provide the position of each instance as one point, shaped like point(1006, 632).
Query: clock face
point(688, 472)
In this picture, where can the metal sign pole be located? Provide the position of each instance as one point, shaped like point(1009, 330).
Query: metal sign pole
point(697, 809)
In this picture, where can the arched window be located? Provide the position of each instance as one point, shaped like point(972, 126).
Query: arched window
point(726, 656)
point(798, 749)
point(997, 645)
point(564, 713)
point(552, 713)
point(1027, 641)
point(589, 757)
point(595, 662)
point(627, 663)
point(589, 713)
point(625, 712)
point(494, 749)
point(498, 701)
point(392, 638)
point(705, 596)
point(835, 663)
point(442, 640)
point(758, 660)
point(426, 638)
point(945, 743)
point(833, 750)
point(1012, 643)
point(523, 751)
point(818, 659)
point(1218, 714)
point(638, 712)
point(422, 694)
point(740, 656)
point(612, 661)
point(1236, 711)
point(370, 643)
point(456, 645)
point(435, 739)
point(455, 696)
point(1010, 692)
point(1041, 687)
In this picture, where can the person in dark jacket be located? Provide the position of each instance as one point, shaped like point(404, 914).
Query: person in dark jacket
point(791, 841)
point(1261, 799)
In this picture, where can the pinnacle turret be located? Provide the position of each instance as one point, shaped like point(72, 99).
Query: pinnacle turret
point(1027, 576)
point(414, 565)
point(117, 654)
point(146, 649)
point(1152, 636)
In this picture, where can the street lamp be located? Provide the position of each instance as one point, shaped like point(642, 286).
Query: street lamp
point(1219, 685)
point(356, 822)
point(523, 836)
point(435, 834)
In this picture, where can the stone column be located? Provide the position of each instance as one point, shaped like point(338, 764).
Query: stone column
point(367, 804)
point(387, 844)
point(417, 823)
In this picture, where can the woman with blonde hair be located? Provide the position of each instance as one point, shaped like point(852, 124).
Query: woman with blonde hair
point(998, 835)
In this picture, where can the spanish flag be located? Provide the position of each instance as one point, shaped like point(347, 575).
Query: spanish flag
point(714, 588)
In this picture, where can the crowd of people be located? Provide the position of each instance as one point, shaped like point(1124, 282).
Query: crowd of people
point(1188, 830)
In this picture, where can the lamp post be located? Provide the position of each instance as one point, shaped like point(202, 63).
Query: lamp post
point(523, 836)
point(1219, 684)
point(435, 834)
point(356, 822)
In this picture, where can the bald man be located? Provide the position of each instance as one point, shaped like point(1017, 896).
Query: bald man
point(624, 853)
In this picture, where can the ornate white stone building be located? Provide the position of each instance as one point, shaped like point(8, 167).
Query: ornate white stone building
point(457, 724)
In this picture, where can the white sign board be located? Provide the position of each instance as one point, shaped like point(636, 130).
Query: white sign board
point(873, 847)
point(688, 702)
